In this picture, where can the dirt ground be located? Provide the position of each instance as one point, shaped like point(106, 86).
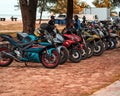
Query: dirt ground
point(70, 79)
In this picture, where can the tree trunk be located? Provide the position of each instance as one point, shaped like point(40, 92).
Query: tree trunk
point(28, 11)
point(69, 12)
point(42, 9)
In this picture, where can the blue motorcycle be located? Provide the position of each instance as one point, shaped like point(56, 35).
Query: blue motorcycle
point(49, 35)
point(28, 51)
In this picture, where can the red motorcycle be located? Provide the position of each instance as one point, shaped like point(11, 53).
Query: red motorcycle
point(79, 42)
point(72, 45)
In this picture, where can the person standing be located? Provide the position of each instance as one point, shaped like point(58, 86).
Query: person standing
point(52, 28)
point(84, 19)
point(52, 21)
point(77, 23)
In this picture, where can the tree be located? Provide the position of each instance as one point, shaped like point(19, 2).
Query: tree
point(69, 12)
point(79, 6)
point(41, 5)
point(45, 5)
point(60, 2)
point(61, 6)
point(115, 2)
point(106, 3)
point(69, 7)
point(28, 11)
point(102, 3)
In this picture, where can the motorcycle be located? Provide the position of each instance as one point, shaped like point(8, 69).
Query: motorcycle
point(73, 54)
point(73, 46)
point(85, 49)
point(114, 37)
point(88, 46)
point(57, 40)
point(28, 51)
point(93, 38)
point(110, 37)
point(98, 31)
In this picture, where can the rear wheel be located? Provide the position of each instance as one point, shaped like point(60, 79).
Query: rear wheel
point(63, 55)
point(90, 50)
point(75, 55)
point(98, 48)
point(113, 43)
point(50, 61)
point(5, 60)
point(105, 45)
point(84, 53)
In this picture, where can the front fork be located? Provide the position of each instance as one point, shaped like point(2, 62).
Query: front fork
point(59, 48)
point(49, 52)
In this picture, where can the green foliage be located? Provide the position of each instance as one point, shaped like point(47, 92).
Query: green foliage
point(46, 5)
point(115, 3)
point(61, 6)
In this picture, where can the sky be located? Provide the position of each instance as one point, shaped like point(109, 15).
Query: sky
point(7, 7)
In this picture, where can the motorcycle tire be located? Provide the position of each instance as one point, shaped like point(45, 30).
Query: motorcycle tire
point(75, 55)
point(84, 53)
point(105, 45)
point(50, 61)
point(109, 43)
point(98, 48)
point(90, 50)
point(113, 43)
point(64, 54)
point(5, 60)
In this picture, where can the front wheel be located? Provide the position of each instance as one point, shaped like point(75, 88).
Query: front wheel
point(90, 50)
point(75, 55)
point(98, 48)
point(63, 55)
point(113, 43)
point(84, 53)
point(50, 60)
point(105, 45)
point(5, 60)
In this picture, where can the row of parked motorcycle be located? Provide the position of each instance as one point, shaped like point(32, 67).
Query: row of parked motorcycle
point(51, 48)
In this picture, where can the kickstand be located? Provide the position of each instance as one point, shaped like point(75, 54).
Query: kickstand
point(26, 64)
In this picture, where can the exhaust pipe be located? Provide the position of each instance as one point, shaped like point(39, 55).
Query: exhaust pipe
point(10, 55)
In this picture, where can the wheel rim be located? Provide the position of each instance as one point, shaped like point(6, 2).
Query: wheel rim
point(89, 50)
point(83, 52)
point(104, 45)
point(112, 44)
point(63, 56)
point(3, 59)
point(75, 54)
point(97, 49)
point(52, 61)
point(62, 53)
